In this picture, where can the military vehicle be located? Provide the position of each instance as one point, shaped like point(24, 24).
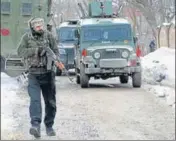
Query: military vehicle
point(105, 47)
point(66, 41)
point(15, 15)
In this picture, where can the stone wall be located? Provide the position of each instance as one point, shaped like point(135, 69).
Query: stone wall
point(166, 35)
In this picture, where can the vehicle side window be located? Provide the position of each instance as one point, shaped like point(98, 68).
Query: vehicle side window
point(107, 33)
point(92, 34)
point(66, 34)
point(5, 7)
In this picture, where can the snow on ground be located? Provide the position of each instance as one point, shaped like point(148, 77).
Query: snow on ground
point(84, 114)
point(9, 99)
point(159, 73)
point(158, 78)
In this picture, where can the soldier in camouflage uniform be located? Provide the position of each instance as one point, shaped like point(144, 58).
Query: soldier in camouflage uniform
point(39, 78)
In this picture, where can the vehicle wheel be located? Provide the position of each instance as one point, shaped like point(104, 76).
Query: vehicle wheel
point(77, 76)
point(2, 64)
point(84, 79)
point(137, 79)
point(59, 72)
point(124, 79)
point(78, 79)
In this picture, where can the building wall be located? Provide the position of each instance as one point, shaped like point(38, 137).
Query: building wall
point(166, 36)
point(172, 36)
point(14, 23)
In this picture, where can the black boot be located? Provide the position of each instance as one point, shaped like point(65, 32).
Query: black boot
point(50, 131)
point(35, 131)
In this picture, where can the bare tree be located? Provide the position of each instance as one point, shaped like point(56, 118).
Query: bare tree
point(155, 11)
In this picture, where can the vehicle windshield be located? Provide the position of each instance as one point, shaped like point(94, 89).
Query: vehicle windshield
point(66, 34)
point(107, 33)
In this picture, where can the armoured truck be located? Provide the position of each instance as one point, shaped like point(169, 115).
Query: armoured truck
point(66, 41)
point(15, 15)
point(105, 47)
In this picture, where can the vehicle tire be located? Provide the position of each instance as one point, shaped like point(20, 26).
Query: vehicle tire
point(2, 64)
point(124, 79)
point(84, 79)
point(59, 72)
point(78, 79)
point(137, 79)
point(77, 76)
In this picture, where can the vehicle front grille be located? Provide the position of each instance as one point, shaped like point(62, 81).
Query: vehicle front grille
point(70, 54)
point(114, 54)
point(110, 54)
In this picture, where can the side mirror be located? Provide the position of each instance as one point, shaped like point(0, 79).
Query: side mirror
point(135, 39)
point(76, 34)
point(76, 42)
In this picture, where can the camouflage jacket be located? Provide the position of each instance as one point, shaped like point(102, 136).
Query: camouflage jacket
point(28, 49)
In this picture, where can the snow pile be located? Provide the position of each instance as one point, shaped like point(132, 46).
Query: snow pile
point(159, 73)
point(8, 100)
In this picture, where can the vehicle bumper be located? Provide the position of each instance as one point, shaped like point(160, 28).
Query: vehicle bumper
point(115, 71)
point(110, 66)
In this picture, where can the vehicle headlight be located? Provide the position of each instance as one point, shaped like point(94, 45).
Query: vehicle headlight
point(125, 54)
point(97, 55)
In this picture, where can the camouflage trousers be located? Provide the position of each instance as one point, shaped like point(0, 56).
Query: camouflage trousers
point(44, 83)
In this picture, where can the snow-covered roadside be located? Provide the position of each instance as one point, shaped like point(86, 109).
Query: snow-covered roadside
point(159, 74)
point(9, 99)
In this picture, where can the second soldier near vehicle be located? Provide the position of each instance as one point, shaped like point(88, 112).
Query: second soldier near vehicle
point(39, 79)
point(49, 27)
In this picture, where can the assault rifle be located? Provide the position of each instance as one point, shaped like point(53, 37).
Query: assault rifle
point(51, 57)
